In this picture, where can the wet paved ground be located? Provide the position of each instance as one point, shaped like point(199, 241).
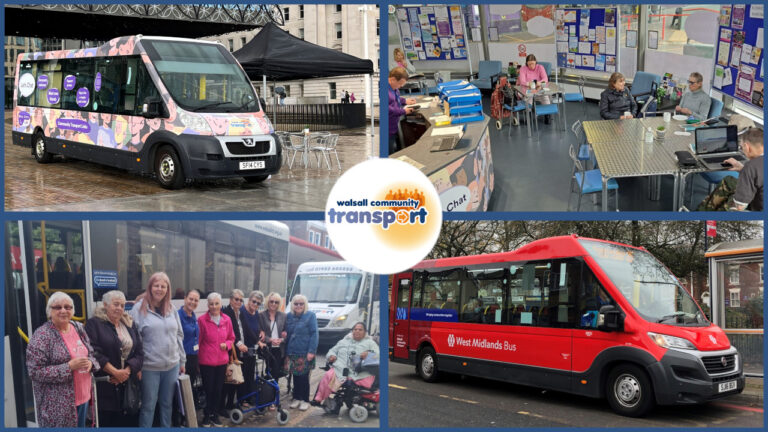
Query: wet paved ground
point(71, 185)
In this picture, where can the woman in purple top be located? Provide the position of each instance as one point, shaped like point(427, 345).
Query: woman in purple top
point(397, 78)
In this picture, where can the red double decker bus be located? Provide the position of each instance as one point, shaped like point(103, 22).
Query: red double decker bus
point(584, 316)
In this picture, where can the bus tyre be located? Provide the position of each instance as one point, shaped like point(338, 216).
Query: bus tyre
point(427, 365)
point(629, 391)
point(236, 416)
point(168, 169)
point(41, 154)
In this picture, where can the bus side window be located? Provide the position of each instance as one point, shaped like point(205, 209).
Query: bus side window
point(592, 295)
point(31, 100)
point(83, 71)
point(107, 98)
point(145, 87)
point(404, 293)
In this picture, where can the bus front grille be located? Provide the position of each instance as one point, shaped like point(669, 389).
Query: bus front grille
point(240, 149)
point(322, 322)
point(719, 364)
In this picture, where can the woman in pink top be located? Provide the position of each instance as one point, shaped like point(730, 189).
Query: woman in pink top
point(60, 360)
point(533, 72)
point(216, 339)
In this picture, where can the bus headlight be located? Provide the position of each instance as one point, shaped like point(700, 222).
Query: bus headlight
point(666, 341)
point(195, 122)
point(339, 321)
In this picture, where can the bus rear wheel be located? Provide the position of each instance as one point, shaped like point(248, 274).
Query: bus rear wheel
point(41, 154)
point(629, 391)
point(426, 365)
point(168, 168)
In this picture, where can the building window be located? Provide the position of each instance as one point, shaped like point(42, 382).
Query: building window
point(231, 45)
point(332, 89)
point(242, 42)
point(733, 275)
point(377, 26)
point(327, 242)
point(301, 11)
point(286, 15)
point(338, 30)
point(301, 33)
point(760, 269)
point(301, 90)
point(338, 8)
point(735, 302)
point(312, 237)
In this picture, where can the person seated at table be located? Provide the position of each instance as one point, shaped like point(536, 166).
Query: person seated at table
point(532, 71)
point(403, 62)
point(616, 100)
point(746, 192)
point(397, 78)
point(695, 101)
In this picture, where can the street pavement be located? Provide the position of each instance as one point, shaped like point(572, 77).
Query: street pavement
point(457, 401)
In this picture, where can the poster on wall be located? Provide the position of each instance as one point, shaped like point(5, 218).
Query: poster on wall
point(433, 32)
point(591, 38)
point(739, 56)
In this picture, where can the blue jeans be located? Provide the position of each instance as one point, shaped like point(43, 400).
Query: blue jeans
point(82, 413)
point(157, 387)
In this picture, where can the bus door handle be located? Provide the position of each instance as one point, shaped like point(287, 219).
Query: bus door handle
point(395, 323)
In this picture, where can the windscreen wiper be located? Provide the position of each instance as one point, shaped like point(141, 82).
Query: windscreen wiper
point(671, 316)
point(211, 105)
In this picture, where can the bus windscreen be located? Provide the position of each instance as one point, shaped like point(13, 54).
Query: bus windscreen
point(328, 288)
point(202, 77)
point(647, 284)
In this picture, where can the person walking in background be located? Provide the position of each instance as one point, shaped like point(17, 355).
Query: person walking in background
point(118, 349)
point(216, 339)
point(301, 329)
point(60, 360)
point(164, 356)
point(352, 98)
point(191, 340)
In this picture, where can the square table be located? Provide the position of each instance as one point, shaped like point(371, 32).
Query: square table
point(552, 90)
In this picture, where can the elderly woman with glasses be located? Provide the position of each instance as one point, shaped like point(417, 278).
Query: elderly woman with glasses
point(60, 360)
point(272, 324)
point(249, 318)
point(233, 311)
point(118, 349)
point(301, 345)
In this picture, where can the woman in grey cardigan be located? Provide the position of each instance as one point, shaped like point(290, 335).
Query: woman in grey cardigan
point(272, 323)
point(164, 356)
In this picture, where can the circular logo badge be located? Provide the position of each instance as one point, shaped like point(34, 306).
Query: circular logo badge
point(53, 96)
point(69, 82)
point(83, 97)
point(26, 84)
point(42, 82)
point(383, 216)
point(97, 82)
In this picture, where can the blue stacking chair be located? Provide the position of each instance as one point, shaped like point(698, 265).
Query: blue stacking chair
point(487, 74)
point(715, 108)
point(519, 106)
point(579, 96)
point(542, 110)
point(589, 181)
point(547, 68)
point(585, 154)
point(644, 85)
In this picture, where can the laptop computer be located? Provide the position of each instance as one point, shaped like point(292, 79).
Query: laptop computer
point(444, 143)
point(713, 145)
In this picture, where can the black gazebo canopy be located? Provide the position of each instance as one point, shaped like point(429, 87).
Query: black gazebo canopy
point(276, 54)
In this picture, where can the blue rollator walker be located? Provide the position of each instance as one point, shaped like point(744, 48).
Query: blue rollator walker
point(266, 394)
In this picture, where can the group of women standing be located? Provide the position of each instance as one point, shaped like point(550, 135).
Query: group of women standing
point(151, 345)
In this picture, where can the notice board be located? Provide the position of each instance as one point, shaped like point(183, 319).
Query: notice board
point(432, 32)
point(587, 39)
point(739, 60)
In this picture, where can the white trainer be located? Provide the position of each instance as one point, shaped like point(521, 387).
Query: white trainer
point(295, 404)
point(304, 406)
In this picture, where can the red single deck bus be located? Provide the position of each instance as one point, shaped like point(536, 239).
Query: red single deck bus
point(584, 316)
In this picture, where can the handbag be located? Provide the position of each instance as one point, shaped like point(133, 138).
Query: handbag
point(234, 370)
point(131, 395)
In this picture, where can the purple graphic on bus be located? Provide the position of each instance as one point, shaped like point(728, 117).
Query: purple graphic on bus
point(83, 97)
point(53, 96)
point(97, 82)
point(24, 118)
point(69, 82)
point(42, 82)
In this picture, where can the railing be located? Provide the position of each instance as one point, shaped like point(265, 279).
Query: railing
point(294, 118)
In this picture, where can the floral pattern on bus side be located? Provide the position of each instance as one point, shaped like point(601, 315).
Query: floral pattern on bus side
point(125, 132)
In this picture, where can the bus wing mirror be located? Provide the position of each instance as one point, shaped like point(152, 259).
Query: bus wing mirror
point(610, 319)
point(152, 108)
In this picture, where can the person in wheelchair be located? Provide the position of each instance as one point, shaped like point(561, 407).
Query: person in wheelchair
point(352, 349)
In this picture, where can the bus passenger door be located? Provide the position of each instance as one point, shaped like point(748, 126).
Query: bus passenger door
point(400, 319)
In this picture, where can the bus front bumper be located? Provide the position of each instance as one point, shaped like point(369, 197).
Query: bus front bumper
point(207, 159)
point(680, 377)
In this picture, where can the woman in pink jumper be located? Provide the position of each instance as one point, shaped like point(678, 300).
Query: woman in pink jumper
point(532, 71)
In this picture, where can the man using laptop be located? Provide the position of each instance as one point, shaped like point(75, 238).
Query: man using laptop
point(695, 101)
point(746, 192)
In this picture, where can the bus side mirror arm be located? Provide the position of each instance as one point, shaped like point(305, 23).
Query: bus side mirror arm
point(610, 319)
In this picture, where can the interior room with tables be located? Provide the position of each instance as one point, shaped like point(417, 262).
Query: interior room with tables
point(610, 107)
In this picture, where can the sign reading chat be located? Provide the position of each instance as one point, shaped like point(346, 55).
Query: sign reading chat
point(105, 279)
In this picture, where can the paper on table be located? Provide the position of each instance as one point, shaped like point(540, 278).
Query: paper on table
point(449, 130)
point(410, 161)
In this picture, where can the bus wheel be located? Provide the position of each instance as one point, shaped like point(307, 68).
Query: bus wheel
point(427, 365)
point(629, 391)
point(168, 168)
point(41, 154)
